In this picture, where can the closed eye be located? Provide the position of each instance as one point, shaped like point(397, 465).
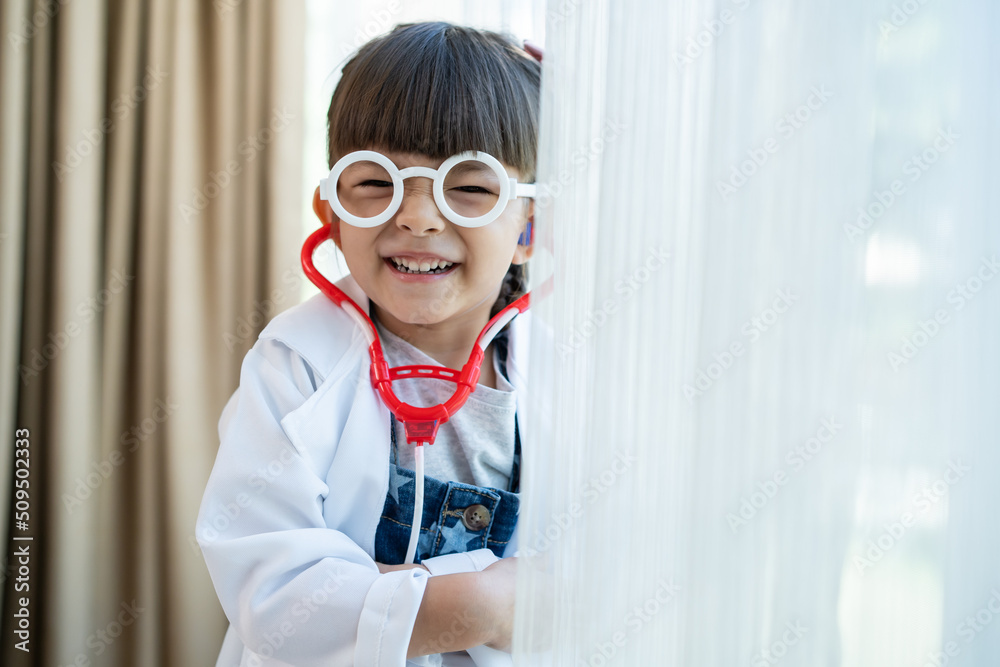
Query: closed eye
point(474, 189)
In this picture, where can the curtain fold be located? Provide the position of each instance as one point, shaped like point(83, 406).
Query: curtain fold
point(151, 176)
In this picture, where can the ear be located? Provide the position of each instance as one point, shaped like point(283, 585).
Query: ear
point(325, 213)
point(526, 247)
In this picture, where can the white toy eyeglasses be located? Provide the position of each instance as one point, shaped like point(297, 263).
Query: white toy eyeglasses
point(471, 189)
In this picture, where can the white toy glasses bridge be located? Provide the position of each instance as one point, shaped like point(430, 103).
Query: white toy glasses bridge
point(471, 189)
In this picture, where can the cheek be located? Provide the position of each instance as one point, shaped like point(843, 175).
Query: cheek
point(499, 238)
point(494, 251)
point(356, 247)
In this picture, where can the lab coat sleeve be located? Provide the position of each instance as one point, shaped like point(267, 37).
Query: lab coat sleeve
point(467, 561)
point(293, 589)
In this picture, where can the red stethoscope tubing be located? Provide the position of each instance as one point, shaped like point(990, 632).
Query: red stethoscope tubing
point(420, 424)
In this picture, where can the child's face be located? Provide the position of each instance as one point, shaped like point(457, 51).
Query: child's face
point(419, 234)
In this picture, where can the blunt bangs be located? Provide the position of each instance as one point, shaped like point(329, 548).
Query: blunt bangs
point(439, 89)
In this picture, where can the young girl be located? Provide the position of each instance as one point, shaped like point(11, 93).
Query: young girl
point(306, 520)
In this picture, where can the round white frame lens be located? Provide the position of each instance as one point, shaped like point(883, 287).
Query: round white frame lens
point(509, 187)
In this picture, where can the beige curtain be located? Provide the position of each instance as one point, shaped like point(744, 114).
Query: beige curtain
point(150, 199)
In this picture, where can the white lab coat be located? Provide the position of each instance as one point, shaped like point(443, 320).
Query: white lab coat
point(287, 524)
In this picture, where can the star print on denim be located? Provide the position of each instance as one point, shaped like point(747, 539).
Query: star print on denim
point(456, 539)
point(397, 481)
point(426, 543)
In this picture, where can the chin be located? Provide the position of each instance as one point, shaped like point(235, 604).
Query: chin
point(416, 315)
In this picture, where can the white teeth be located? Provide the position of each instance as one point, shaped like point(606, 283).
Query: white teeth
point(411, 266)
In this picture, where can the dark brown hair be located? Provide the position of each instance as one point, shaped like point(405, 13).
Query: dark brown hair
point(439, 89)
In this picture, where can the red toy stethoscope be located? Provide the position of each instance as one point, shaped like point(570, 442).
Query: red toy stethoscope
point(420, 424)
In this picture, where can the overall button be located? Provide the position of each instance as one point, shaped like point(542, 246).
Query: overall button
point(476, 517)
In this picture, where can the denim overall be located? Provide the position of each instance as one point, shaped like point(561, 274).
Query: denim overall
point(456, 517)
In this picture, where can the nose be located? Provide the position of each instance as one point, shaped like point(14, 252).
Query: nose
point(418, 214)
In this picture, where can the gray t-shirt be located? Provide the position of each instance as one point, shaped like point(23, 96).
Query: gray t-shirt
point(475, 446)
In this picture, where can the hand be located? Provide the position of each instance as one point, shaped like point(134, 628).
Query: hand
point(498, 585)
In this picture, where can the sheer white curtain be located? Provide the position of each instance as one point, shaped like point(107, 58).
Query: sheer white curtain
point(767, 377)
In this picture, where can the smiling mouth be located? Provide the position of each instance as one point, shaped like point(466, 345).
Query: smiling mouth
point(424, 268)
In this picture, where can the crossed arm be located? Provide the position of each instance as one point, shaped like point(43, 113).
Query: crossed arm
point(459, 611)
